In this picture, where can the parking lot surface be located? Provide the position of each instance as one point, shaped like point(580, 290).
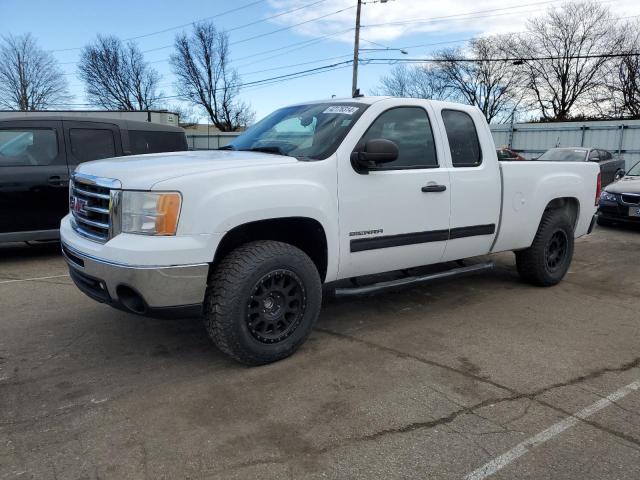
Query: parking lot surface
point(477, 377)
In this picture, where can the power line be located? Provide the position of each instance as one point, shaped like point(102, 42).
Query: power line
point(275, 16)
point(288, 48)
point(272, 32)
point(445, 17)
point(175, 27)
point(291, 26)
point(382, 61)
point(479, 37)
point(283, 67)
point(238, 27)
point(264, 81)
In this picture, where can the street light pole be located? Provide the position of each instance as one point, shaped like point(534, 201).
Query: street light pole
point(356, 47)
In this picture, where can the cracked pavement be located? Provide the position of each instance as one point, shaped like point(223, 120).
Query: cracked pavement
point(428, 382)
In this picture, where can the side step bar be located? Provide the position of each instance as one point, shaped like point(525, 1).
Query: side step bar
point(377, 287)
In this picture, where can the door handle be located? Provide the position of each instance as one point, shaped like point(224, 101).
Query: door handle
point(434, 188)
point(55, 180)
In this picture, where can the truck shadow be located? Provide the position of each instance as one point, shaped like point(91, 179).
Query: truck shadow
point(625, 227)
point(36, 250)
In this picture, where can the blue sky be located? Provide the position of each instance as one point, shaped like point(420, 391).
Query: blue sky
point(63, 26)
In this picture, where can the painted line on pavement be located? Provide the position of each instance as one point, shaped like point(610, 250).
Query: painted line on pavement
point(32, 279)
point(505, 459)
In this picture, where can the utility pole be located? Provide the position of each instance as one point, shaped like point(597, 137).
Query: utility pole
point(356, 48)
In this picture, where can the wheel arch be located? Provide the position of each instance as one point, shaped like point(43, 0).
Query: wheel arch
point(571, 205)
point(305, 233)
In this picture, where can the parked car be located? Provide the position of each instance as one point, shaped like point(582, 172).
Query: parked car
point(316, 193)
point(507, 154)
point(38, 155)
point(620, 201)
point(611, 167)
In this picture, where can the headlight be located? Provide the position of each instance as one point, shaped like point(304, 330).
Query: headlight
point(610, 197)
point(150, 213)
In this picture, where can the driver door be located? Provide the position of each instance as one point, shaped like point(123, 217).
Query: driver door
point(396, 215)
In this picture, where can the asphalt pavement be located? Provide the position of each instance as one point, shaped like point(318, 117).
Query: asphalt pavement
point(477, 377)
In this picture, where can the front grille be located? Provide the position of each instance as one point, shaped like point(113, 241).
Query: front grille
point(90, 204)
point(631, 198)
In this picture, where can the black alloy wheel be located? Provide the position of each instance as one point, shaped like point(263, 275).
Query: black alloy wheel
point(556, 250)
point(276, 306)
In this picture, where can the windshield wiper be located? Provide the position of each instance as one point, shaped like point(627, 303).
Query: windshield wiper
point(227, 147)
point(270, 149)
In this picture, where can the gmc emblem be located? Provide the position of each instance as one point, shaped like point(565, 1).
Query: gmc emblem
point(78, 205)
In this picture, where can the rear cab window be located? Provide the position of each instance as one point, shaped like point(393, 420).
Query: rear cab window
point(464, 143)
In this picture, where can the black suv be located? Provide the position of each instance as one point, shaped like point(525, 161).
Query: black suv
point(38, 154)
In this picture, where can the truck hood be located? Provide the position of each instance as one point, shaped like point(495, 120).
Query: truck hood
point(141, 172)
point(625, 185)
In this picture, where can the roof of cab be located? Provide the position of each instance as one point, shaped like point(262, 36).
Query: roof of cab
point(374, 99)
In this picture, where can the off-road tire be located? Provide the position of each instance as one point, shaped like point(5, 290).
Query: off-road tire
point(229, 300)
point(534, 263)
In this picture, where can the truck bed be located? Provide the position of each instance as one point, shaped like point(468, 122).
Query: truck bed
point(527, 189)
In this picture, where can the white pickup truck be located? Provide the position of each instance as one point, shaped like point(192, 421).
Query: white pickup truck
point(316, 193)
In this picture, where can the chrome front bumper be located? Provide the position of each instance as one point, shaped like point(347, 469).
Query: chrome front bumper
point(145, 290)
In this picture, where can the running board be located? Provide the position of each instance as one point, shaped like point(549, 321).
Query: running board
point(377, 287)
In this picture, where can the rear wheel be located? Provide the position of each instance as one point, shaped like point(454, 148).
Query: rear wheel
point(547, 261)
point(262, 301)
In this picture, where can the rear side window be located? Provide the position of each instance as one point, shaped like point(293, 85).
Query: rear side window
point(409, 128)
point(463, 138)
point(142, 141)
point(27, 147)
point(92, 144)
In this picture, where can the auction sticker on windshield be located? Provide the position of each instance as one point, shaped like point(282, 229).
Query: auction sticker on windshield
point(345, 110)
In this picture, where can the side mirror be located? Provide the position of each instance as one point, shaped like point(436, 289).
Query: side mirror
point(619, 174)
point(373, 153)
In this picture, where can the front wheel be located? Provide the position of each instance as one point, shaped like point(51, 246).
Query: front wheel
point(547, 260)
point(262, 301)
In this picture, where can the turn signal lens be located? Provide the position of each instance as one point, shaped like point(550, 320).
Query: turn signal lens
point(168, 211)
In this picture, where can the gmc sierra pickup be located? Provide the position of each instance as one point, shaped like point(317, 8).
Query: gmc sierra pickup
point(317, 193)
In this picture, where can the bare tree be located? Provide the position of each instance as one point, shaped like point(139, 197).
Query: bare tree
point(420, 81)
point(205, 78)
point(471, 75)
point(564, 56)
point(116, 75)
point(30, 78)
point(620, 95)
point(628, 86)
point(481, 77)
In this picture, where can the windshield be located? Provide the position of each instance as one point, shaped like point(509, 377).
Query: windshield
point(308, 132)
point(634, 171)
point(564, 155)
